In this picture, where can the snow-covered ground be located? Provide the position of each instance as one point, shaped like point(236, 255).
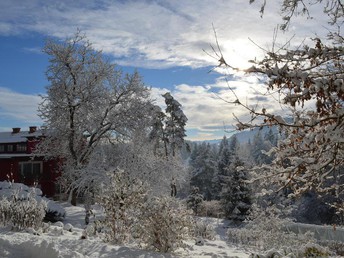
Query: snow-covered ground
point(64, 240)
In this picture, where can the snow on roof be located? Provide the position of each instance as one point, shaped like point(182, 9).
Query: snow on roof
point(10, 137)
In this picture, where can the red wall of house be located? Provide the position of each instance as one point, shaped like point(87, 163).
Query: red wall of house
point(9, 170)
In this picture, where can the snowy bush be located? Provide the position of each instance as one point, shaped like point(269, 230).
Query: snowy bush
point(267, 230)
point(53, 211)
point(166, 223)
point(22, 213)
point(309, 250)
point(204, 229)
point(122, 200)
point(211, 208)
point(336, 247)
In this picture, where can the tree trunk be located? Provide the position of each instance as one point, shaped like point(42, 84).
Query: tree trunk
point(73, 199)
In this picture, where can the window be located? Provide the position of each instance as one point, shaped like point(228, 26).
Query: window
point(2, 148)
point(21, 147)
point(31, 170)
point(10, 148)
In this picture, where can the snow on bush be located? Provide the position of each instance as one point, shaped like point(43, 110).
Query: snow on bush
point(165, 224)
point(160, 224)
point(309, 250)
point(9, 190)
point(22, 213)
point(267, 230)
point(204, 229)
point(211, 208)
point(121, 199)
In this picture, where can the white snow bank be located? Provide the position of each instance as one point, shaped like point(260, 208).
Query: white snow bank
point(63, 240)
point(9, 189)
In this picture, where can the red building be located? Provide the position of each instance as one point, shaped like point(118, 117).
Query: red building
point(19, 164)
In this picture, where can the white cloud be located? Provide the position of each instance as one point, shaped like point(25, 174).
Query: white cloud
point(155, 33)
point(19, 108)
point(161, 34)
point(210, 110)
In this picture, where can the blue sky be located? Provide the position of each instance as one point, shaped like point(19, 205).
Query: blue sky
point(163, 40)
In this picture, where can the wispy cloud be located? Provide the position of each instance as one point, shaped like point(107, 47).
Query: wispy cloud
point(22, 108)
point(210, 110)
point(162, 34)
point(154, 33)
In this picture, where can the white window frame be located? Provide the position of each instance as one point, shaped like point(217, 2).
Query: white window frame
point(21, 168)
point(21, 147)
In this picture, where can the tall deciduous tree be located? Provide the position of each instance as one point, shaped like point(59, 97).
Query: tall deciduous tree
point(87, 100)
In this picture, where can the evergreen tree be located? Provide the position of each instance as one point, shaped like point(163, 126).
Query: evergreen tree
point(258, 148)
point(157, 134)
point(203, 166)
point(194, 200)
point(235, 195)
point(224, 157)
point(227, 150)
point(175, 123)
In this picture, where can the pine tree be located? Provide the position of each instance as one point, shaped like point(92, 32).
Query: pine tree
point(194, 200)
point(175, 123)
point(258, 148)
point(235, 195)
point(227, 151)
point(203, 170)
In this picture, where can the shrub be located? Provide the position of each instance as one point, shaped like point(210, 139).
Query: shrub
point(309, 250)
point(22, 213)
point(204, 229)
point(53, 211)
point(122, 200)
point(267, 230)
point(165, 224)
point(211, 209)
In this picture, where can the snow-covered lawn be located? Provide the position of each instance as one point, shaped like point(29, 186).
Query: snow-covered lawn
point(64, 240)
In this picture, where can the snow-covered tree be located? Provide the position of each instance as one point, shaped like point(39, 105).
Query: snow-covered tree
point(87, 100)
point(203, 169)
point(310, 80)
point(165, 224)
point(122, 198)
point(175, 123)
point(158, 134)
point(224, 157)
point(139, 160)
point(236, 194)
point(259, 148)
point(194, 200)
point(226, 153)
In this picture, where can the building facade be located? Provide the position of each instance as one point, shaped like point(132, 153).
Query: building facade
point(18, 163)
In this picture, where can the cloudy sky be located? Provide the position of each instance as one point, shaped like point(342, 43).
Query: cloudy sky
point(168, 42)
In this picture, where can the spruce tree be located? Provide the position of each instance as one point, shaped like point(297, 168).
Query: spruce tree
point(235, 195)
point(175, 123)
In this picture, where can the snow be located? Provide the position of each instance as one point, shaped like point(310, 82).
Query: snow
point(64, 240)
point(9, 189)
point(9, 137)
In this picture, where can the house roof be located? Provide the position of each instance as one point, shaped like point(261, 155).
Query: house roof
point(22, 136)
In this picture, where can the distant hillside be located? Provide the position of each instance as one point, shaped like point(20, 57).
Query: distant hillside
point(243, 136)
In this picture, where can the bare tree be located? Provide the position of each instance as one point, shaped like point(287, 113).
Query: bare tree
point(87, 100)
